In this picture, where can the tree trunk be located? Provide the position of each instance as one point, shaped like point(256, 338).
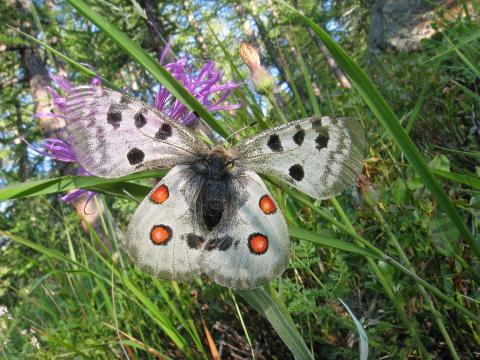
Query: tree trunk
point(155, 28)
point(342, 79)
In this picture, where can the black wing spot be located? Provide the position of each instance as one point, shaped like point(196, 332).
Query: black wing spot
point(164, 132)
point(135, 156)
point(221, 243)
point(296, 172)
point(114, 118)
point(299, 137)
point(322, 141)
point(194, 241)
point(274, 143)
point(139, 120)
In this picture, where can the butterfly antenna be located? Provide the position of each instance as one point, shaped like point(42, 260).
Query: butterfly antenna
point(242, 129)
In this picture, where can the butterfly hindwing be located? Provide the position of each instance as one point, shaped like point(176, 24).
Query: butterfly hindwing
point(113, 134)
point(163, 237)
point(250, 246)
point(319, 156)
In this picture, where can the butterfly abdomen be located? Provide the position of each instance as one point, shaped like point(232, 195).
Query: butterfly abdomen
point(214, 199)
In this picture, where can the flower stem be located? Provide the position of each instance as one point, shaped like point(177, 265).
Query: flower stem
point(275, 105)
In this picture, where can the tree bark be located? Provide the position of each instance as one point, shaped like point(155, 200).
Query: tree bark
point(155, 28)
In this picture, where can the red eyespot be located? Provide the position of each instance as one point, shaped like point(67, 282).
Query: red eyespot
point(258, 243)
point(267, 205)
point(160, 234)
point(160, 195)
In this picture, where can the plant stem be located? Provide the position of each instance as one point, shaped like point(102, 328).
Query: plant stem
point(274, 103)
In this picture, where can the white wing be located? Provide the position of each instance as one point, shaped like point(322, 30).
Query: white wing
point(113, 134)
point(319, 156)
point(250, 246)
point(163, 237)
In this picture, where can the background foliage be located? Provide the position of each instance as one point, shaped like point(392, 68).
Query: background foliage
point(71, 291)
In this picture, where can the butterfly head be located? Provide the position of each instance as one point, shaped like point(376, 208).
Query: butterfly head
point(218, 163)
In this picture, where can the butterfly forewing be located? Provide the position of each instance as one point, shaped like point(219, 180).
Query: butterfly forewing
point(113, 134)
point(250, 246)
point(163, 236)
point(319, 156)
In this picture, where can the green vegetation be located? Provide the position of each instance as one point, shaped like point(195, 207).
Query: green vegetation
point(396, 259)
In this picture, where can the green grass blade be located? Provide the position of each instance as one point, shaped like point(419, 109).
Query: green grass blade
point(389, 120)
point(109, 186)
point(468, 180)
point(330, 242)
point(475, 70)
point(361, 333)
point(163, 321)
point(261, 301)
point(466, 40)
point(149, 64)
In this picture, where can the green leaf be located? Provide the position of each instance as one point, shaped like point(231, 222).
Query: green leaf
point(149, 64)
point(440, 162)
point(391, 123)
point(261, 301)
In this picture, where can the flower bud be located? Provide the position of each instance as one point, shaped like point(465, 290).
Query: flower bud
point(250, 56)
point(262, 80)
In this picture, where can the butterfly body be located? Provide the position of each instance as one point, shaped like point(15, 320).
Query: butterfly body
point(214, 170)
point(211, 214)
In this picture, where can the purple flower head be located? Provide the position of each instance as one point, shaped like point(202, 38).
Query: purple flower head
point(203, 85)
point(60, 150)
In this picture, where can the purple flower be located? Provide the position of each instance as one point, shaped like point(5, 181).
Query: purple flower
point(60, 150)
point(202, 84)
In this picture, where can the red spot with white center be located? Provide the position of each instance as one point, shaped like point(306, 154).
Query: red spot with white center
point(258, 243)
point(160, 195)
point(267, 205)
point(160, 234)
